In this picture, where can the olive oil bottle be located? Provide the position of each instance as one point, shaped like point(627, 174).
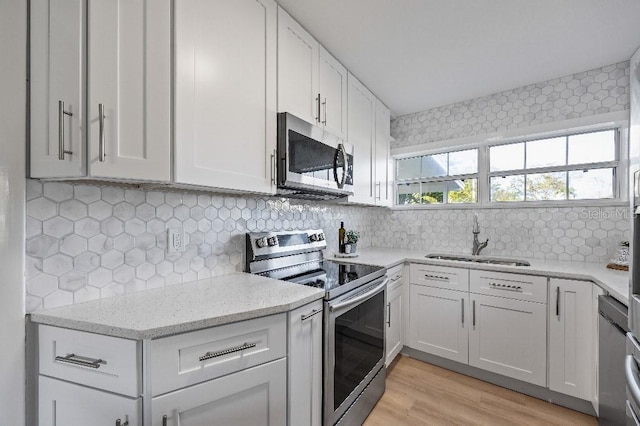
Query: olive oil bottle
point(341, 236)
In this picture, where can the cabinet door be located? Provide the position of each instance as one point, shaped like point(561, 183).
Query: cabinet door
point(571, 365)
point(298, 82)
point(333, 94)
point(225, 94)
point(509, 337)
point(439, 323)
point(394, 319)
point(129, 74)
point(255, 396)
point(63, 403)
point(57, 75)
point(383, 178)
point(305, 365)
point(361, 113)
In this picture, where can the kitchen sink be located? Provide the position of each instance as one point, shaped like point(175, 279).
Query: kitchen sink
point(479, 259)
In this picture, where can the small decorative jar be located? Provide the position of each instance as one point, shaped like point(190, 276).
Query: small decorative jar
point(622, 254)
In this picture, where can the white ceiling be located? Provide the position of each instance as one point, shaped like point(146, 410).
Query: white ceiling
point(419, 54)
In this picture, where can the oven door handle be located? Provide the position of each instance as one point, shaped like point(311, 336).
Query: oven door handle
point(350, 302)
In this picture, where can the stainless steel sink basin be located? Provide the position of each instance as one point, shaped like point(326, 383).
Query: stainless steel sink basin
point(479, 259)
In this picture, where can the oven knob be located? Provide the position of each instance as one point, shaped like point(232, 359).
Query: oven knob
point(313, 237)
point(272, 241)
point(261, 242)
point(321, 236)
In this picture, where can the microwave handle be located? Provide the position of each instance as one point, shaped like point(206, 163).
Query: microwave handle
point(342, 181)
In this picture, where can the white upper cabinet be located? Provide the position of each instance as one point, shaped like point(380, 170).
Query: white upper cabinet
point(361, 131)
point(312, 84)
point(383, 165)
point(57, 88)
point(225, 94)
point(333, 95)
point(129, 69)
point(127, 76)
point(298, 81)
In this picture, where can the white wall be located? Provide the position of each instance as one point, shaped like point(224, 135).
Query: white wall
point(13, 22)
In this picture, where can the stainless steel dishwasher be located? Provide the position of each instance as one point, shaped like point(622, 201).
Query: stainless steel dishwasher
point(612, 328)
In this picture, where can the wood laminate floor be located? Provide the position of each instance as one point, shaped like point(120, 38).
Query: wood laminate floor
point(422, 394)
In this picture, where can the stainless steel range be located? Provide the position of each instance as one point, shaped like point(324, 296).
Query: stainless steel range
point(354, 333)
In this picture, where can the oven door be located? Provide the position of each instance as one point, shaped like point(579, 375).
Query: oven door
point(355, 346)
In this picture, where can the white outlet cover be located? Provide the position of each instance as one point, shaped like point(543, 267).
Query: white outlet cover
point(175, 240)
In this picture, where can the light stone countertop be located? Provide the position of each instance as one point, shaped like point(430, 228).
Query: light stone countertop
point(181, 308)
point(616, 283)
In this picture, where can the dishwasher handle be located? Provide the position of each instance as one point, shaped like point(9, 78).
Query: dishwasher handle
point(631, 373)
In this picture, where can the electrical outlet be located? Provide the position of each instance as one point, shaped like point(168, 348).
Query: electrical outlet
point(175, 240)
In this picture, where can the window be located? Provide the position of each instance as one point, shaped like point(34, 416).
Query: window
point(444, 178)
point(570, 166)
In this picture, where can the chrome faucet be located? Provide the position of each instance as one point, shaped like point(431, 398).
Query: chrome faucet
point(477, 245)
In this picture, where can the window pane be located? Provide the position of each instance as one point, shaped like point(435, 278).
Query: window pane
point(434, 165)
point(409, 193)
point(408, 168)
point(463, 191)
point(547, 152)
point(547, 186)
point(434, 192)
point(595, 183)
point(592, 147)
point(463, 162)
point(507, 188)
point(506, 157)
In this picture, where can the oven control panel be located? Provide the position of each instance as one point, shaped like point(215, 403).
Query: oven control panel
point(265, 244)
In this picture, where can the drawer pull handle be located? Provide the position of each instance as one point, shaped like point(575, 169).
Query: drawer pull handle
point(306, 317)
point(436, 277)
point(81, 361)
point(506, 287)
point(210, 355)
point(119, 423)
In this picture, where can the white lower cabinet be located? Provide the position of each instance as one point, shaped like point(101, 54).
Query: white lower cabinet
point(68, 404)
point(509, 337)
point(395, 315)
point(255, 396)
point(571, 355)
point(305, 365)
point(439, 322)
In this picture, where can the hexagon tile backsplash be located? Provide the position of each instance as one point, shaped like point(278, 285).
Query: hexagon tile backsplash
point(87, 242)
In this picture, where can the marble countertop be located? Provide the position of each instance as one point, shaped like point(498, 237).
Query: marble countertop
point(181, 308)
point(616, 283)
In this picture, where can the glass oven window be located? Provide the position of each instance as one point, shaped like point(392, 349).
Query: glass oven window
point(359, 345)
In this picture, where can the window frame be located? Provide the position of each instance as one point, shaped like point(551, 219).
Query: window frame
point(612, 121)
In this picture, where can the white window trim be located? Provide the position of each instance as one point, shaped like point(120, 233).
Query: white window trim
point(618, 119)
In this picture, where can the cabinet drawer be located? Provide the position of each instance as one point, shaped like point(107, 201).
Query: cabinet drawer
point(440, 276)
point(395, 277)
point(511, 286)
point(190, 358)
point(103, 362)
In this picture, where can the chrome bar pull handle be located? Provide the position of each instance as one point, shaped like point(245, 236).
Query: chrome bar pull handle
point(216, 354)
point(81, 361)
point(164, 420)
point(318, 109)
point(313, 313)
point(474, 314)
point(378, 190)
point(101, 153)
point(324, 104)
point(274, 157)
point(558, 302)
point(389, 314)
point(462, 310)
point(61, 114)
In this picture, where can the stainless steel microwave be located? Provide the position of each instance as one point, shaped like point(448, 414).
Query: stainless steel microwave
point(312, 163)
